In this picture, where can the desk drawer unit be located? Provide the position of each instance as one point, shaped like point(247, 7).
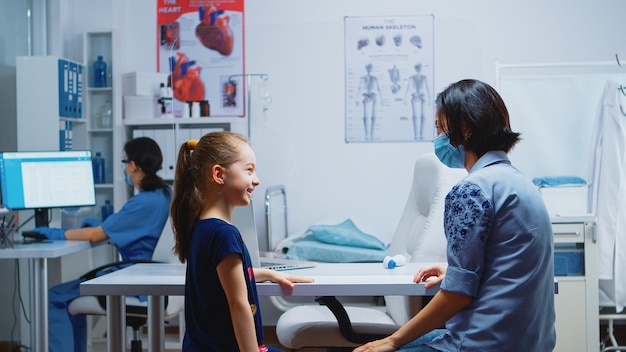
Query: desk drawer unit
point(576, 303)
point(568, 232)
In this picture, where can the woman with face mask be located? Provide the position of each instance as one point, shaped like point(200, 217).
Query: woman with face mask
point(134, 230)
point(497, 291)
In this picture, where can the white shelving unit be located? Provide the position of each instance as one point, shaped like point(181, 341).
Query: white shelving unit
point(101, 137)
point(104, 138)
point(576, 303)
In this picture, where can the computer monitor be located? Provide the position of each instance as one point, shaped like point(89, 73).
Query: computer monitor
point(47, 179)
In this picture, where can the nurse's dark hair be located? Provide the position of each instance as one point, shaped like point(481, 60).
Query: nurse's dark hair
point(478, 106)
point(193, 182)
point(146, 154)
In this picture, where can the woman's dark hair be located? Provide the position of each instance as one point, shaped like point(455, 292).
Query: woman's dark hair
point(146, 154)
point(476, 106)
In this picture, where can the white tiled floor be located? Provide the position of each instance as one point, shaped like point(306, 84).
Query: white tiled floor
point(171, 342)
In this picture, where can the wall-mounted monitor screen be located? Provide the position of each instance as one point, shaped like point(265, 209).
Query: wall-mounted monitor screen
point(47, 179)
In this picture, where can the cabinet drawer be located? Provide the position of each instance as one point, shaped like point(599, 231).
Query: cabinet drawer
point(567, 232)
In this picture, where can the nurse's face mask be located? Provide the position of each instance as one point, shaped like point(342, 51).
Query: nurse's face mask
point(126, 177)
point(448, 154)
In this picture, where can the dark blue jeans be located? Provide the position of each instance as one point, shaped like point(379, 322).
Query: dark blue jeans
point(66, 332)
point(418, 345)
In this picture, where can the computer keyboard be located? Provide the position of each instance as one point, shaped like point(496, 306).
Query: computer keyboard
point(32, 235)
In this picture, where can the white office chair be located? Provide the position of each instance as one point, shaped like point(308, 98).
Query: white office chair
point(136, 311)
point(419, 236)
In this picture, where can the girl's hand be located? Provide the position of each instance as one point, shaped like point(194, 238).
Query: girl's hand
point(383, 345)
point(436, 272)
point(279, 277)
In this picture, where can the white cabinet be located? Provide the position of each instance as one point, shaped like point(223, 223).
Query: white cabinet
point(577, 300)
point(49, 99)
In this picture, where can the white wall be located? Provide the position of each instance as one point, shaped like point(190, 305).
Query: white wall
point(299, 44)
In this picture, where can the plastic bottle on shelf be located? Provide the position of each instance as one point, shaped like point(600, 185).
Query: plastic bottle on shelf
point(169, 109)
point(98, 168)
point(195, 109)
point(72, 217)
point(106, 114)
point(205, 108)
point(165, 100)
point(100, 73)
point(186, 109)
point(391, 262)
point(107, 209)
point(69, 217)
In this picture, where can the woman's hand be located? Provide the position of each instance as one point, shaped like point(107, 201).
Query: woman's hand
point(279, 277)
point(436, 272)
point(382, 345)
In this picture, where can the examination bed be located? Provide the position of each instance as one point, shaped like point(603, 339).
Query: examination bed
point(341, 241)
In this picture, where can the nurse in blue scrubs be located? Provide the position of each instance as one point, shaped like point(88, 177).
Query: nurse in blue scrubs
point(134, 230)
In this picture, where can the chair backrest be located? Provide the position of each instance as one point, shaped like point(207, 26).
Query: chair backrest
point(164, 250)
point(420, 235)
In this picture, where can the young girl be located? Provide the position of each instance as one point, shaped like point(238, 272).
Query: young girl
point(214, 175)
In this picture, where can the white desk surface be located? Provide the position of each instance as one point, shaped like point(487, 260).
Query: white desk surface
point(331, 279)
point(44, 249)
point(157, 280)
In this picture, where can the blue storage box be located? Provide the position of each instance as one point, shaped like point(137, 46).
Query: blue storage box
point(568, 262)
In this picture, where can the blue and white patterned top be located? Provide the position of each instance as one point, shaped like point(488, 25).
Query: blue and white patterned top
point(500, 252)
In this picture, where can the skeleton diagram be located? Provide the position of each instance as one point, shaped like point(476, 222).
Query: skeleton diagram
point(418, 86)
point(394, 76)
point(370, 92)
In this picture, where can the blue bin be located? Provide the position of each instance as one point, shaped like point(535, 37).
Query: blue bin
point(568, 262)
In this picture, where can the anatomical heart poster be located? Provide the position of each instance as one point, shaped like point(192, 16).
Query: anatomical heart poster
point(200, 46)
point(389, 79)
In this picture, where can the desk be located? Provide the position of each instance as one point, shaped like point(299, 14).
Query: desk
point(38, 254)
point(157, 280)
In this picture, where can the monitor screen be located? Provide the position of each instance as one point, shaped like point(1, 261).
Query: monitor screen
point(49, 179)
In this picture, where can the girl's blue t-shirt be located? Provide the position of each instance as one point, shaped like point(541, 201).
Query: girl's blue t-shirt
point(209, 325)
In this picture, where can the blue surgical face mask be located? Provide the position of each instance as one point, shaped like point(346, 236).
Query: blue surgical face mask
point(127, 177)
point(449, 155)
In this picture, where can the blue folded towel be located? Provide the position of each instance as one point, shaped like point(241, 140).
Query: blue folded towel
point(345, 234)
point(558, 181)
